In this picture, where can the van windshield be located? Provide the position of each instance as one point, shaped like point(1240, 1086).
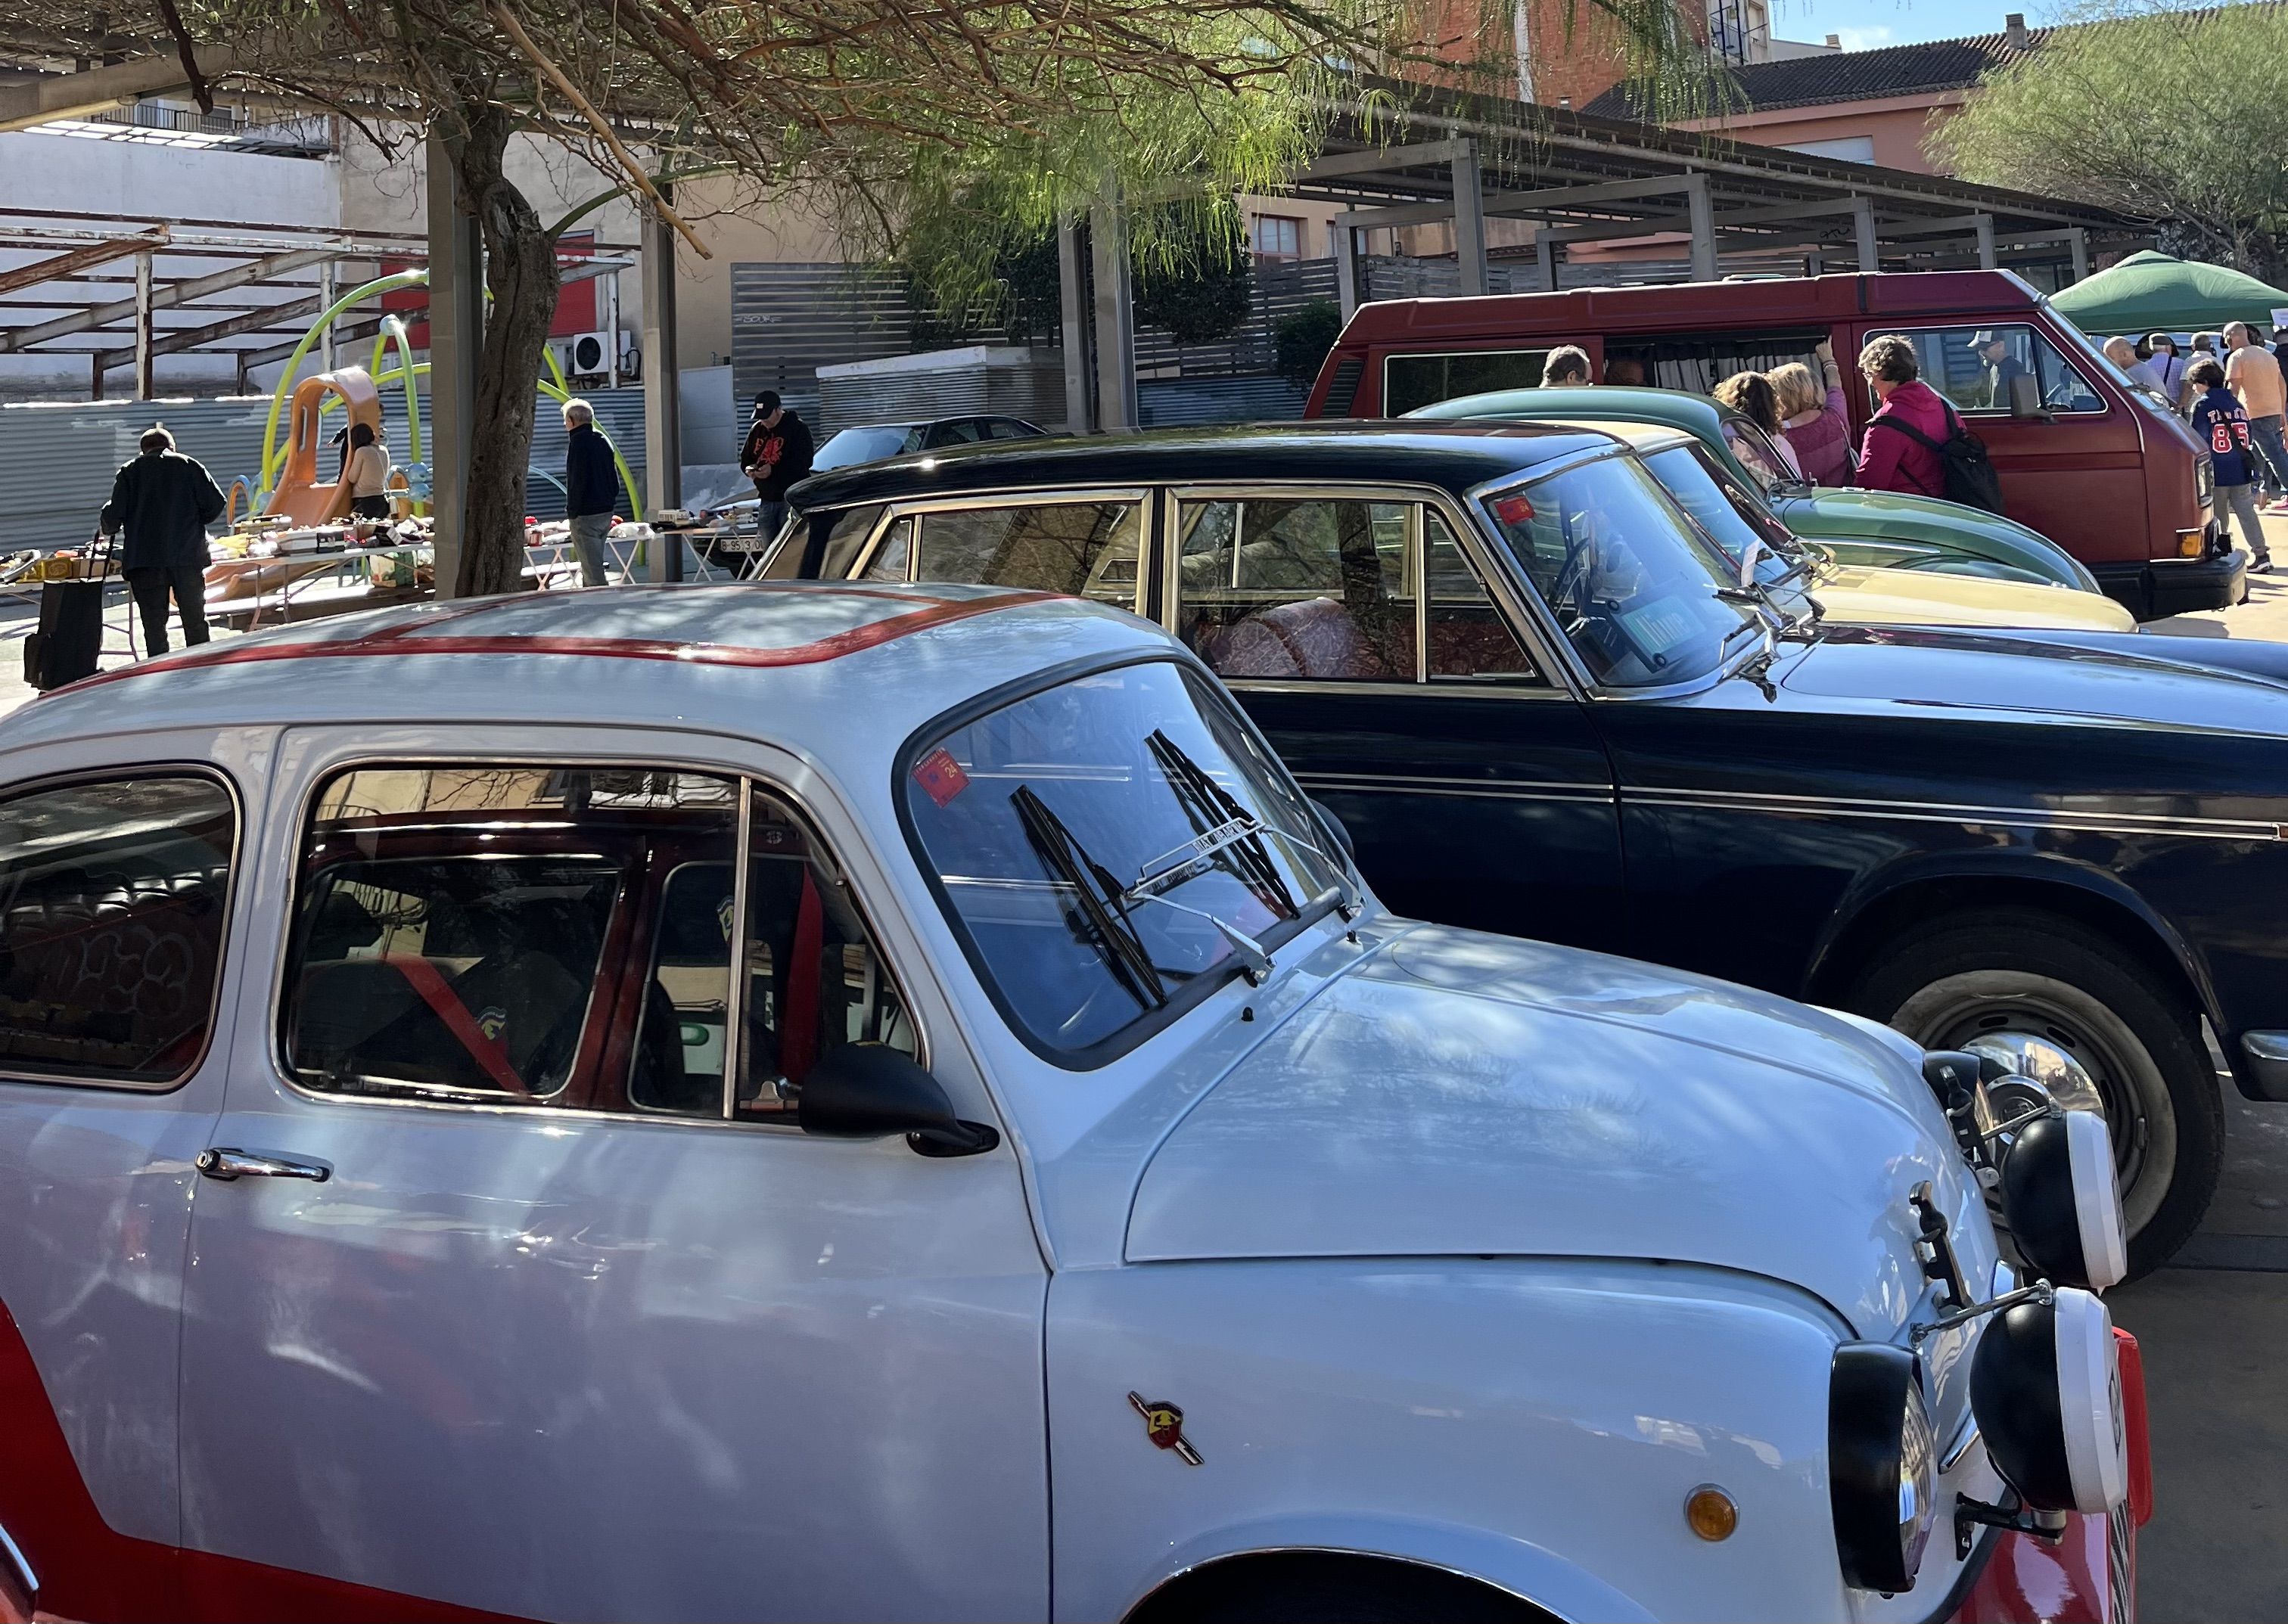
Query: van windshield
point(1632, 582)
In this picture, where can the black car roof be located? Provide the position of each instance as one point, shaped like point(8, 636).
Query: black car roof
point(1456, 456)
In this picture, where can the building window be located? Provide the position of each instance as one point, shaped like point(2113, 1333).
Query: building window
point(1276, 236)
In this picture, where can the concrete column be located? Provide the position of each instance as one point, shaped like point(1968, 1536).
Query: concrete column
point(1703, 228)
point(2077, 240)
point(1985, 229)
point(456, 326)
point(1469, 219)
point(1347, 269)
point(1862, 232)
point(326, 297)
point(1116, 317)
point(1072, 304)
point(663, 410)
point(1544, 258)
point(143, 358)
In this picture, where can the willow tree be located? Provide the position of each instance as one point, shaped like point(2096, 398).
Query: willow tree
point(895, 109)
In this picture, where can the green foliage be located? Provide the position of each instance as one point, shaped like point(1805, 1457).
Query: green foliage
point(1302, 338)
point(2178, 116)
point(1197, 283)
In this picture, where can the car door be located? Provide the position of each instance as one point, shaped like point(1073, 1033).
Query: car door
point(514, 1288)
point(120, 915)
point(1473, 786)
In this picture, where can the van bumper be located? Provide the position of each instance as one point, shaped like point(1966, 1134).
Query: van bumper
point(2159, 587)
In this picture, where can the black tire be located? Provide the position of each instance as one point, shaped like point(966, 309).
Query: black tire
point(2024, 969)
point(1333, 1589)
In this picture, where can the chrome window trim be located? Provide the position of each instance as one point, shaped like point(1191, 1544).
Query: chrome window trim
point(918, 509)
point(13, 1555)
point(1553, 678)
point(140, 774)
point(748, 777)
point(643, 1012)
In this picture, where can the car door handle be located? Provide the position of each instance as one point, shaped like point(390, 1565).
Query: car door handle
point(223, 1162)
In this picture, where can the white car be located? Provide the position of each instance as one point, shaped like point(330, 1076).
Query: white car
point(794, 1102)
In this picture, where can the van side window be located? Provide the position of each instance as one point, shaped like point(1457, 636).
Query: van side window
point(1082, 549)
point(1317, 588)
point(1410, 381)
point(112, 907)
point(519, 936)
point(1972, 367)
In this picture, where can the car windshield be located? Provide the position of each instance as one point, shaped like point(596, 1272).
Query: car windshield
point(868, 445)
point(1757, 455)
point(1733, 517)
point(1633, 584)
point(1112, 848)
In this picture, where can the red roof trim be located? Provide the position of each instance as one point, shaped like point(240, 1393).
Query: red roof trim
point(409, 639)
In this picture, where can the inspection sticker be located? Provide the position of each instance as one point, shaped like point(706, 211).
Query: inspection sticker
point(941, 776)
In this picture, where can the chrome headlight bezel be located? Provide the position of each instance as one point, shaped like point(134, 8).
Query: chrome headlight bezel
point(1882, 1465)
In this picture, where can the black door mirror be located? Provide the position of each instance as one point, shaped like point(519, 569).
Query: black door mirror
point(1337, 830)
point(870, 1090)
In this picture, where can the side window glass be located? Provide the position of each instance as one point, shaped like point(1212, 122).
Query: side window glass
point(1469, 641)
point(960, 431)
point(1315, 588)
point(511, 936)
point(890, 559)
point(1410, 381)
point(112, 909)
point(815, 978)
point(1084, 549)
point(847, 530)
point(1972, 367)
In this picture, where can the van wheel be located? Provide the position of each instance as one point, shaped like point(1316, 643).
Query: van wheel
point(2024, 971)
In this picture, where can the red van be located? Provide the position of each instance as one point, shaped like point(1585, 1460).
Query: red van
point(2096, 464)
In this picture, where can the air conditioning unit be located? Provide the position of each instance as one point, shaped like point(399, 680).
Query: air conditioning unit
point(589, 354)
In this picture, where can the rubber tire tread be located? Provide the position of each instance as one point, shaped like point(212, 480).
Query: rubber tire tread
point(2053, 945)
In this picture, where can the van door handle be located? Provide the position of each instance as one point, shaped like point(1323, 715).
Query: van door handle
point(223, 1162)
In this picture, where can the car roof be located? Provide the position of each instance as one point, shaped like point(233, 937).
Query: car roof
point(1695, 414)
point(789, 663)
point(1456, 457)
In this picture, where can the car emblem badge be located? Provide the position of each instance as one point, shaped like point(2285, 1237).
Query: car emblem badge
point(1163, 1424)
point(493, 1022)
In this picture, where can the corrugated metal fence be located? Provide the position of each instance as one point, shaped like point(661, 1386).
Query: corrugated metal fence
point(57, 462)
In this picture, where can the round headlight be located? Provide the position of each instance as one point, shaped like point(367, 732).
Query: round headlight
point(1882, 1466)
point(2060, 1202)
point(2045, 1386)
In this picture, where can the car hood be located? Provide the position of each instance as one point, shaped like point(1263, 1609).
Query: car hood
point(2073, 675)
point(1841, 511)
point(1921, 597)
point(1461, 1093)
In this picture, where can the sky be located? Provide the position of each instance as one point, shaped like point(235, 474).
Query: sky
point(1867, 24)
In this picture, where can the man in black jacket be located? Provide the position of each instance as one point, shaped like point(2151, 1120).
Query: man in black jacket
point(776, 454)
point(161, 504)
point(592, 488)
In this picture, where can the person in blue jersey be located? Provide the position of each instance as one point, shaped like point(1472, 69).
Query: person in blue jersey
point(2222, 422)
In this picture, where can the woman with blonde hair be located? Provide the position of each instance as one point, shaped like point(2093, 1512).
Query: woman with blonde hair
point(1813, 419)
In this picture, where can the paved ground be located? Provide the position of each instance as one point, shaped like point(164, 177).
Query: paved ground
point(2214, 1327)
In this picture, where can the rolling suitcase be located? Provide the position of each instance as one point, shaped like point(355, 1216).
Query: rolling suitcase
point(70, 637)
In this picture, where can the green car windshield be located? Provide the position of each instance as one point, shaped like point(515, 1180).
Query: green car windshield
point(1631, 580)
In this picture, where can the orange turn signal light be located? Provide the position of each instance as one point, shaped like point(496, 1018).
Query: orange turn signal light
point(1711, 1512)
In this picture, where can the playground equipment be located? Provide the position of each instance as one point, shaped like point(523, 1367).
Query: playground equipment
point(303, 495)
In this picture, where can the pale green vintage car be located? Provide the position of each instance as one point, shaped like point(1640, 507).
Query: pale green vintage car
point(1872, 528)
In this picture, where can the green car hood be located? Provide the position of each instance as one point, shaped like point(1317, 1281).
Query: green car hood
point(1886, 527)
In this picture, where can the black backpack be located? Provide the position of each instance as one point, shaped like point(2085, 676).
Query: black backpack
point(1970, 476)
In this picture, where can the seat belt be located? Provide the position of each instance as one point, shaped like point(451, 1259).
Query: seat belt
point(445, 1003)
point(799, 1019)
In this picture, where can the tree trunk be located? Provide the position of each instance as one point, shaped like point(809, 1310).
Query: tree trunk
point(521, 276)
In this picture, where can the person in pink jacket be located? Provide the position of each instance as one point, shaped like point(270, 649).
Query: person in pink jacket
point(1889, 460)
point(1814, 418)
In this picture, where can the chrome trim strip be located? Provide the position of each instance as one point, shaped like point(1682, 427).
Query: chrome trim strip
point(1500, 789)
point(13, 1554)
point(1944, 812)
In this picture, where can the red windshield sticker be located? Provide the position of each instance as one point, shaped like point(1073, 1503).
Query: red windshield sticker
point(1514, 510)
point(941, 776)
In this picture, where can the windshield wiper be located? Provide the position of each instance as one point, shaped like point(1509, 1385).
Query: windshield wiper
point(1098, 894)
point(1187, 776)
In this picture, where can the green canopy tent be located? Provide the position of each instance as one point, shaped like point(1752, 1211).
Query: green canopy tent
point(2153, 293)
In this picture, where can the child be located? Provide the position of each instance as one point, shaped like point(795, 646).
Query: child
point(2223, 424)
